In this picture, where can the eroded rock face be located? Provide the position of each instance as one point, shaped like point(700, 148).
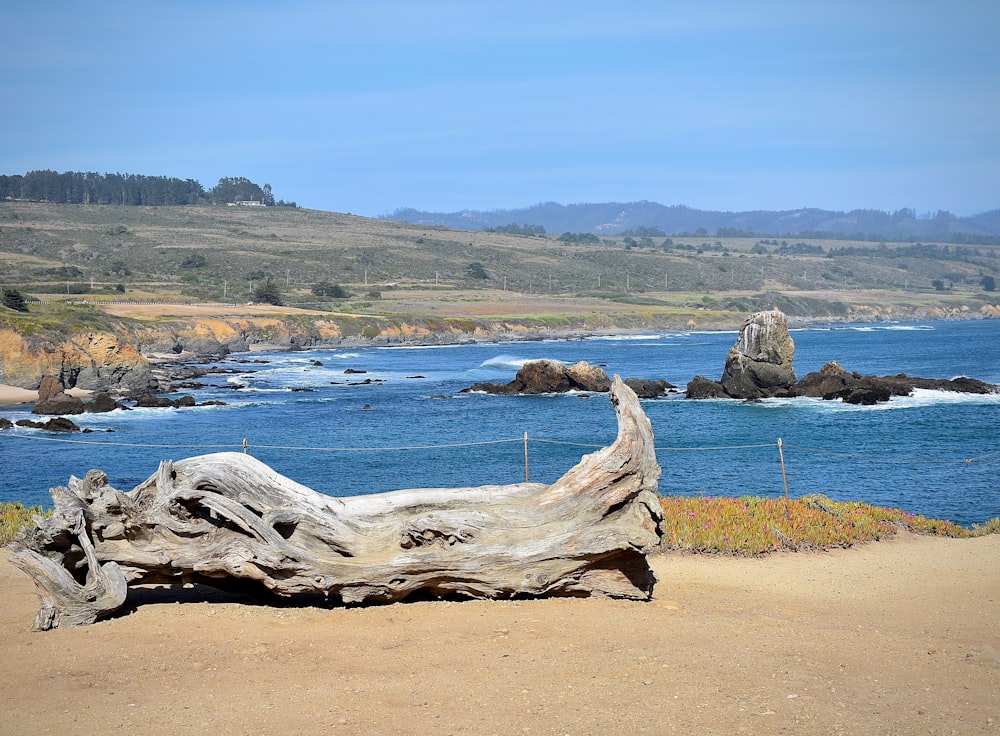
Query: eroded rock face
point(760, 364)
point(96, 361)
point(588, 377)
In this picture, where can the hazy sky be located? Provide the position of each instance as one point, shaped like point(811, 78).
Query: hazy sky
point(365, 107)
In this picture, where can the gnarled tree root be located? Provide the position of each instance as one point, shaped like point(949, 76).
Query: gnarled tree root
point(227, 515)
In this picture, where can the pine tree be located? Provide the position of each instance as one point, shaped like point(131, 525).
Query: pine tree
point(13, 299)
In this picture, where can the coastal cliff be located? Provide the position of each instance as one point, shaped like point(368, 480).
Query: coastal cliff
point(96, 361)
point(120, 361)
point(117, 356)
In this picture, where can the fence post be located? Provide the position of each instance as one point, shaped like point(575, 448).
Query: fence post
point(244, 445)
point(784, 477)
point(525, 457)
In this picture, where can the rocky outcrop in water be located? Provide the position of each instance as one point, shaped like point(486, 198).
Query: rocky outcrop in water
point(834, 382)
point(760, 366)
point(55, 424)
point(761, 361)
point(550, 377)
point(53, 401)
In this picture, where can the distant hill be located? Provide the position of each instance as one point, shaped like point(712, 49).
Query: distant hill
point(615, 218)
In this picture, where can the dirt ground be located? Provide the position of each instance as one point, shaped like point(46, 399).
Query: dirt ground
point(896, 637)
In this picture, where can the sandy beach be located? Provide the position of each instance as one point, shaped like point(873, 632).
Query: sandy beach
point(12, 395)
point(894, 637)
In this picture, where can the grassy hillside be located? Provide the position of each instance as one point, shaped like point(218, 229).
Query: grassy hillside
point(218, 254)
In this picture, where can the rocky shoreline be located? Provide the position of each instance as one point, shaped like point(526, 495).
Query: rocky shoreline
point(761, 365)
point(169, 358)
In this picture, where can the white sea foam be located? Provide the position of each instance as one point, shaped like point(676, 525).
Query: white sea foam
point(921, 397)
point(630, 338)
point(509, 362)
point(890, 328)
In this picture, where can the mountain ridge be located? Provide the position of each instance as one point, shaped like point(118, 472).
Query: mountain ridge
point(617, 218)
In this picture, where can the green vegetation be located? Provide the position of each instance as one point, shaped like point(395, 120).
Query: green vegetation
point(15, 516)
point(580, 238)
point(13, 299)
point(76, 187)
point(476, 271)
point(267, 292)
point(330, 291)
point(57, 320)
point(751, 526)
point(204, 253)
point(515, 229)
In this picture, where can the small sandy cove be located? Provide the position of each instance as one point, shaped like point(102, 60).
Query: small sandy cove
point(11, 395)
point(895, 637)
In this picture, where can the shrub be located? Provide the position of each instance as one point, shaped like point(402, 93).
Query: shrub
point(14, 516)
point(475, 270)
point(331, 291)
point(755, 526)
point(13, 299)
point(267, 293)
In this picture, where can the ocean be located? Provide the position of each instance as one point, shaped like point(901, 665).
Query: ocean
point(367, 420)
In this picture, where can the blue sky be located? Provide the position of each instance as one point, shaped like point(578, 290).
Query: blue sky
point(365, 107)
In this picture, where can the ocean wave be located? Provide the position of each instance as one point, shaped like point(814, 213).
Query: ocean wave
point(509, 363)
point(920, 398)
point(866, 327)
point(632, 338)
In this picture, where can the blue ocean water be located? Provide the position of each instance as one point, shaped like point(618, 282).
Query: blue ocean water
point(934, 453)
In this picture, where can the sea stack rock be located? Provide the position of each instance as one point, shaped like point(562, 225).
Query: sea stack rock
point(760, 363)
point(53, 400)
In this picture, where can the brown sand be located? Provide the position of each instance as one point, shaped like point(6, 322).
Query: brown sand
point(896, 637)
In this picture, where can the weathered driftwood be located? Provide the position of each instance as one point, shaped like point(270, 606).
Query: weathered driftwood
point(215, 518)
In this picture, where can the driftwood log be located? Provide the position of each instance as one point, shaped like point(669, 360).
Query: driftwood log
point(223, 518)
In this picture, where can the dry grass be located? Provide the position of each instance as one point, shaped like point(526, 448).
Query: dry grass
point(403, 270)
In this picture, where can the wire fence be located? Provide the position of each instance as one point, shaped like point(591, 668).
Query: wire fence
point(247, 446)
